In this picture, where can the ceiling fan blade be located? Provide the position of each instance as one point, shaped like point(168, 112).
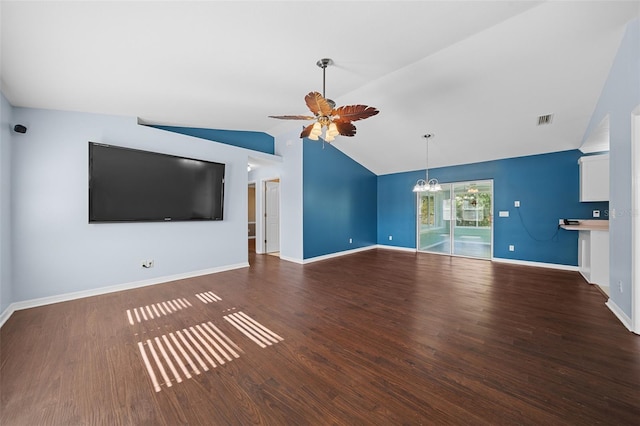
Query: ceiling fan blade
point(306, 131)
point(350, 113)
point(345, 128)
point(293, 117)
point(318, 104)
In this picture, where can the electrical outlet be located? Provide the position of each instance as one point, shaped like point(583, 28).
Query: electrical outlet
point(350, 240)
point(620, 286)
point(512, 247)
point(147, 263)
point(390, 237)
point(516, 204)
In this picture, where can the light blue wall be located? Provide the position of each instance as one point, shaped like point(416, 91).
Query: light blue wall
point(619, 97)
point(55, 249)
point(339, 201)
point(6, 141)
point(256, 141)
point(547, 187)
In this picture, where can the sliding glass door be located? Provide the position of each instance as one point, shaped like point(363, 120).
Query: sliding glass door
point(434, 221)
point(457, 220)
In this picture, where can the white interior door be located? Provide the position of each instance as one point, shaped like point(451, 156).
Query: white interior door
point(272, 216)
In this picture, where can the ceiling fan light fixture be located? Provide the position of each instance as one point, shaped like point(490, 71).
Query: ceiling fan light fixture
point(332, 132)
point(316, 131)
point(338, 121)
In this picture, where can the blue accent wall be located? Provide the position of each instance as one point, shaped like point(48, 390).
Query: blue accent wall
point(256, 141)
point(546, 185)
point(339, 201)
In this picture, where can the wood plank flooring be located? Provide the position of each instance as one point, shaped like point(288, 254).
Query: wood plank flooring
point(378, 338)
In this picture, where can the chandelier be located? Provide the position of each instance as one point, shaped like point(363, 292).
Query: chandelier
point(426, 184)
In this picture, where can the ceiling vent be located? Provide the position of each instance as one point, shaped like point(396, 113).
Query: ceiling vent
point(545, 119)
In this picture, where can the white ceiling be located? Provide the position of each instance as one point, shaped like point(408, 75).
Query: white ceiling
point(476, 74)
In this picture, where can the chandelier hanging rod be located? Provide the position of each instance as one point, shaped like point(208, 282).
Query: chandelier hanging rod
point(426, 184)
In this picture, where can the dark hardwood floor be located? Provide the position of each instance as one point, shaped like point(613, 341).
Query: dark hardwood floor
point(378, 338)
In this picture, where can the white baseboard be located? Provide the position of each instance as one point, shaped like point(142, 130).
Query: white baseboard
point(619, 313)
point(405, 249)
point(344, 253)
point(413, 250)
point(536, 264)
point(33, 303)
point(6, 314)
point(338, 254)
point(292, 259)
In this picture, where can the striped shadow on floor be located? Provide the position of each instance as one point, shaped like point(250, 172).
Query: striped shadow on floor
point(156, 310)
point(185, 353)
point(251, 328)
point(208, 297)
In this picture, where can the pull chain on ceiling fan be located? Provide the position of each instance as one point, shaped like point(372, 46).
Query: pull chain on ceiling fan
point(337, 121)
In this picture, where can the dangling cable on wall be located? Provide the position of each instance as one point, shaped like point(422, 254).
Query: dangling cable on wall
point(553, 237)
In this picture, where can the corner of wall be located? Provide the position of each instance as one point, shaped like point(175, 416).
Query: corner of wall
point(6, 270)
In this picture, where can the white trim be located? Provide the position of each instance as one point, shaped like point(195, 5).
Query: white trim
point(536, 264)
point(406, 249)
point(6, 314)
point(338, 254)
point(413, 250)
point(291, 259)
point(619, 313)
point(347, 252)
point(32, 303)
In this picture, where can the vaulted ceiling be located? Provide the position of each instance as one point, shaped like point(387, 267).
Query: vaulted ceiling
point(476, 74)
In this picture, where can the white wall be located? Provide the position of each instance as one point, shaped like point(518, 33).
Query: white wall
point(619, 97)
point(6, 129)
point(289, 147)
point(56, 251)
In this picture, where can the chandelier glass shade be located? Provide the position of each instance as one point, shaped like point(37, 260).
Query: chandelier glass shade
point(426, 184)
point(431, 185)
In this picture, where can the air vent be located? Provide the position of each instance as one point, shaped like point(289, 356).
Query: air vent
point(545, 119)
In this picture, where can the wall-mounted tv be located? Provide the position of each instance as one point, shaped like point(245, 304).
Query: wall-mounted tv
point(130, 185)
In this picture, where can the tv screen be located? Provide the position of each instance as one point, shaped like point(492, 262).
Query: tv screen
point(128, 185)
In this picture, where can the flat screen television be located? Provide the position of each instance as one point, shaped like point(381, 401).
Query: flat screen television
point(130, 185)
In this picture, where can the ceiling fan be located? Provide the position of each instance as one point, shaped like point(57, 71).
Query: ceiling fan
point(338, 121)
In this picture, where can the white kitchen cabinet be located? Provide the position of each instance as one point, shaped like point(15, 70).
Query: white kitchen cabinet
point(593, 256)
point(594, 177)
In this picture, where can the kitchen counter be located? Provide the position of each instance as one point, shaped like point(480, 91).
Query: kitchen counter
point(588, 225)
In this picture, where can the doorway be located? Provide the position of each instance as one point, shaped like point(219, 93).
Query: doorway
point(251, 216)
point(272, 216)
point(458, 220)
